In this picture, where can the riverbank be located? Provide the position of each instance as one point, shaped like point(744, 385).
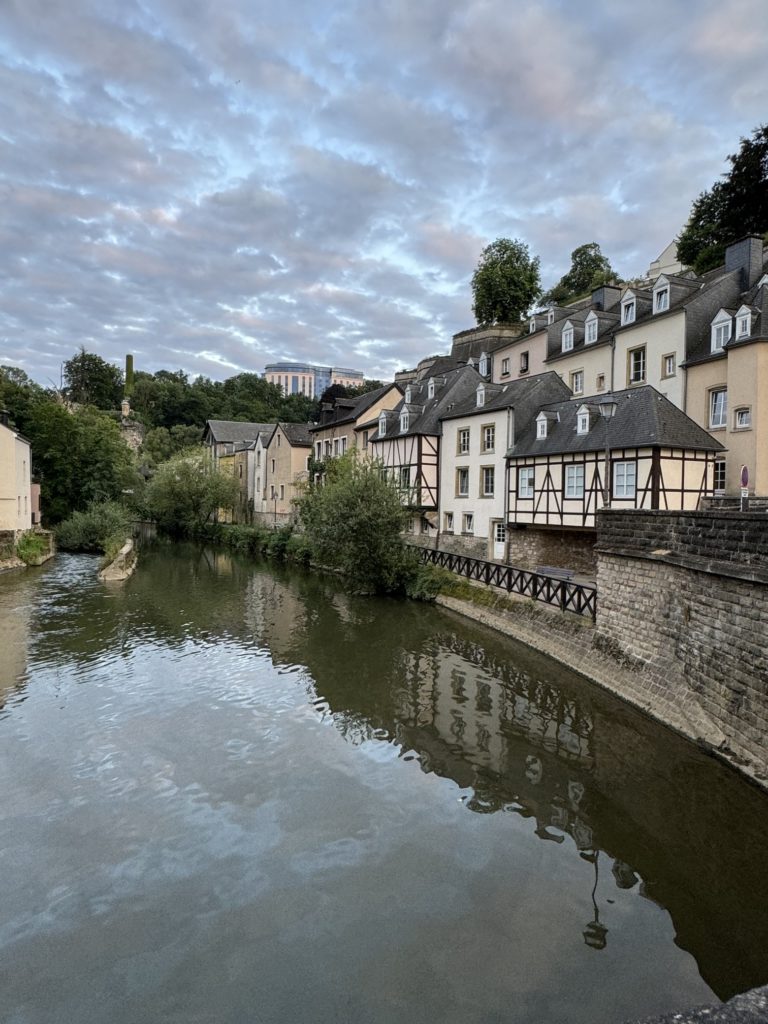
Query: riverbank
point(573, 641)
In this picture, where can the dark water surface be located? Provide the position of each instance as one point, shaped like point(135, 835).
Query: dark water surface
point(232, 794)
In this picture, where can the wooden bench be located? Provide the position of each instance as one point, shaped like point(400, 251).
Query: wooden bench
point(553, 570)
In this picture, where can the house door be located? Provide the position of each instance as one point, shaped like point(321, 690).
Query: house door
point(499, 541)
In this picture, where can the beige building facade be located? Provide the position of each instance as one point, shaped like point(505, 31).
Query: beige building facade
point(287, 459)
point(15, 480)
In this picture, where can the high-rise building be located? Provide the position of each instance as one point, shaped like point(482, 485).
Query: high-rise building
point(307, 379)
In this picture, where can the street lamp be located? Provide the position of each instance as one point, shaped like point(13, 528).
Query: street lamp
point(607, 409)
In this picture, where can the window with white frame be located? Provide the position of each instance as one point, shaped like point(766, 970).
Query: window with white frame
point(343, 444)
point(550, 316)
point(382, 426)
point(541, 427)
point(582, 422)
point(408, 395)
point(577, 382)
point(462, 482)
point(405, 477)
point(318, 451)
point(523, 362)
point(574, 480)
point(743, 325)
point(483, 367)
point(487, 481)
point(468, 523)
point(591, 331)
point(500, 532)
point(489, 437)
point(480, 395)
point(718, 408)
point(624, 479)
point(721, 334)
point(430, 388)
point(505, 367)
point(365, 439)
point(404, 420)
point(327, 448)
point(742, 418)
point(448, 522)
point(532, 325)
point(525, 481)
point(567, 337)
point(462, 441)
point(661, 299)
point(719, 478)
point(600, 382)
point(628, 308)
point(335, 446)
point(636, 358)
point(668, 365)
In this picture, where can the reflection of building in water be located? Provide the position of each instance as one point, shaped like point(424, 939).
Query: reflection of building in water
point(14, 629)
point(274, 613)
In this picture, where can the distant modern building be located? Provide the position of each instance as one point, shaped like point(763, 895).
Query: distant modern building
point(307, 379)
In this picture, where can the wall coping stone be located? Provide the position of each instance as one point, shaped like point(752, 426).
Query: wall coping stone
point(711, 566)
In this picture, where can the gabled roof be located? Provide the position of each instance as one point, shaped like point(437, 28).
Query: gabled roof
point(456, 386)
point(229, 431)
point(349, 410)
point(298, 434)
point(517, 394)
point(644, 419)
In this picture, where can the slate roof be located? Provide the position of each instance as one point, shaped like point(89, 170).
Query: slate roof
point(347, 410)
point(229, 431)
point(457, 385)
point(298, 434)
point(644, 419)
point(523, 393)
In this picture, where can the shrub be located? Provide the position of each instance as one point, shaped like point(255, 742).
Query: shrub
point(298, 549)
point(32, 546)
point(185, 492)
point(277, 542)
point(94, 528)
point(428, 581)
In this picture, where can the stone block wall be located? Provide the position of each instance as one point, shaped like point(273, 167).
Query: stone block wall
point(565, 549)
point(686, 595)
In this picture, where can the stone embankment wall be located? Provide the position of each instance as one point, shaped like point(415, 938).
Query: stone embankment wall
point(566, 549)
point(273, 521)
point(685, 597)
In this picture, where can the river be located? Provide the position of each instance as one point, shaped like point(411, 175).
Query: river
point(236, 793)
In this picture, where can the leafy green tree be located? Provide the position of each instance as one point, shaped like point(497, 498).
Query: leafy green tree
point(589, 269)
point(354, 522)
point(160, 443)
point(505, 283)
point(185, 492)
point(21, 397)
point(735, 206)
point(91, 380)
point(79, 458)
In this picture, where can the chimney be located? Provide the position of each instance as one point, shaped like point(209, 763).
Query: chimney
point(605, 297)
point(746, 255)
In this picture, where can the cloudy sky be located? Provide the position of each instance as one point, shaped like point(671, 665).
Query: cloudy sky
point(217, 184)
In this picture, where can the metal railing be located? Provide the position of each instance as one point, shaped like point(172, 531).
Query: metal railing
point(580, 598)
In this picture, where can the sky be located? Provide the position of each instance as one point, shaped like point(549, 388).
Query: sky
point(214, 185)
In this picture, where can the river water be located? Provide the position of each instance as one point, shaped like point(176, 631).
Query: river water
point(239, 794)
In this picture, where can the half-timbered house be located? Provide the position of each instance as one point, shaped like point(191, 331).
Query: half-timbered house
point(476, 434)
point(658, 459)
point(407, 440)
point(348, 422)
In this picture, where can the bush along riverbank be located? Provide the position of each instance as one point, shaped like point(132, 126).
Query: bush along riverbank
point(103, 528)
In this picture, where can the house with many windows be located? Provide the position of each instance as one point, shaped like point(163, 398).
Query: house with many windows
point(347, 423)
point(407, 439)
point(286, 460)
point(15, 479)
point(657, 458)
point(580, 342)
point(476, 434)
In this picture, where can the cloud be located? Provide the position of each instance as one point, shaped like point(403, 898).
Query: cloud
point(215, 187)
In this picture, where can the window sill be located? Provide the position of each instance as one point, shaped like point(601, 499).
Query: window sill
point(740, 430)
point(714, 430)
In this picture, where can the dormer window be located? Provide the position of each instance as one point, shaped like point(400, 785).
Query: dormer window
point(550, 316)
point(382, 426)
point(743, 323)
point(483, 366)
point(628, 308)
point(532, 325)
point(431, 388)
point(480, 395)
point(582, 421)
point(541, 427)
point(590, 335)
point(408, 395)
point(661, 299)
point(404, 420)
point(721, 331)
point(567, 337)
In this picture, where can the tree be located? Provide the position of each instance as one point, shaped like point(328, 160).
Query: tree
point(185, 492)
point(589, 269)
point(91, 380)
point(735, 206)
point(160, 443)
point(505, 283)
point(354, 523)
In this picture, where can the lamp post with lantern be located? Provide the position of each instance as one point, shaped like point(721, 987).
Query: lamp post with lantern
point(607, 408)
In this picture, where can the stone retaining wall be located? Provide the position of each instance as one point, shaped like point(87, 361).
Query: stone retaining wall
point(685, 596)
point(566, 549)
